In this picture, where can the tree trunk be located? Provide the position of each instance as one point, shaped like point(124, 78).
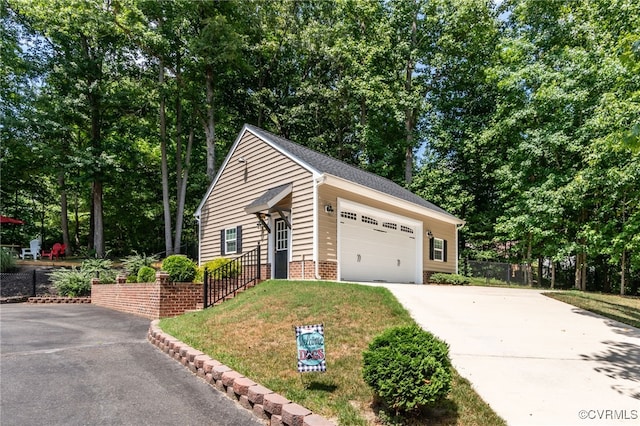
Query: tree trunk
point(553, 274)
point(64, 212)
point(529, 268)
point(581, 271)
point(209, 127)
point(622, 272)
point(76, 218)
point(179, 177)
point(98, 231)
point(93, 98)
point(410, 113)
point(540, 260)
point(165, 168)
point(97, 190)
point(182, 193)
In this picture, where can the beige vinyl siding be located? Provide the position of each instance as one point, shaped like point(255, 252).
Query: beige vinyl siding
point(327, 227)
point(241, 183)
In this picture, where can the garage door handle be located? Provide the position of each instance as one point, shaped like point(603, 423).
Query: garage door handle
point(359, 258)
point(398, 262)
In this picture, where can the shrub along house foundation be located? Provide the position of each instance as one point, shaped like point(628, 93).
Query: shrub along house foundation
point(320, 218)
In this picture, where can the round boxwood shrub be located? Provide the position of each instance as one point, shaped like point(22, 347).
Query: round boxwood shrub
point(180, 268)
point(409, 368)
point(146, 274)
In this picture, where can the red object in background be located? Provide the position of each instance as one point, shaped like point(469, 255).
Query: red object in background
point(5, 219)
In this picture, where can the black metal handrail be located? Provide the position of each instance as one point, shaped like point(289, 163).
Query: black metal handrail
point(228, 279)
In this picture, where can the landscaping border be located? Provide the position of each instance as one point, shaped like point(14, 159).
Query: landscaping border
point(265, 404)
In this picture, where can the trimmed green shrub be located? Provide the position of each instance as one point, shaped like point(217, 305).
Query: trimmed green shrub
point(409, 368)
point(146, 274)
point(132, 279)
point(71, 282)
point(7, 261)
point(214, 264)
point(180, 268)
point(453, 279)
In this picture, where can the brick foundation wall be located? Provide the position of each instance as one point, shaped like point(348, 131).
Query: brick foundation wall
point(160, 299)
point(265, 271)
point(326, 270)
point(426, 275)
point(302, 270)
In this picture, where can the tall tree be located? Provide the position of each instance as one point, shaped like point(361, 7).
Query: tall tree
point(83, 40)
point(458, 170)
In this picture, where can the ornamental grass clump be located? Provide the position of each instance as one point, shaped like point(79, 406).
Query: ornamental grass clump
point(180, 268)
point(7, 261)
point(71, 282)
point(408, 368)
point(135, 261)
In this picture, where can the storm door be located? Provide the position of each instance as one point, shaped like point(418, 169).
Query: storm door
point(281, 244)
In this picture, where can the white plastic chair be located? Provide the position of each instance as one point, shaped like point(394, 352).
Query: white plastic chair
point(33, 250)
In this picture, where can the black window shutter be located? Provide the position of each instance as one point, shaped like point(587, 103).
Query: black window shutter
point(444, 250)
point(222, 242)
point(239, 239)
point(430, 248)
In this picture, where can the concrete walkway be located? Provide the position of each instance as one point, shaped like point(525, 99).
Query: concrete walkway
point(535, 360)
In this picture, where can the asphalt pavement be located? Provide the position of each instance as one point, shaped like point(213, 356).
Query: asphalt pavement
point(86, 365)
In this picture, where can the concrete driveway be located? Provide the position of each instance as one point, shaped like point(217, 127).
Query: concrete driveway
point(535, 360)
point(86, 365)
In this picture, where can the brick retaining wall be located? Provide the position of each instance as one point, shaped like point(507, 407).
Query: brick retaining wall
point(160, 299)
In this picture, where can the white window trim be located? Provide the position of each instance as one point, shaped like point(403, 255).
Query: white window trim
point(228, 240)
point(438, 251)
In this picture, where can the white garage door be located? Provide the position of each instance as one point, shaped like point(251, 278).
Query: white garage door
point(375, 245)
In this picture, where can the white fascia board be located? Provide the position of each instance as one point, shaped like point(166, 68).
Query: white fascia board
point(381, 196)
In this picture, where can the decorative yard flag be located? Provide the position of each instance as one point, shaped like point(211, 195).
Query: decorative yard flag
point(310, 340)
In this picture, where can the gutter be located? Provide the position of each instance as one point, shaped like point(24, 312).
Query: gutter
point(197, 216)
point(317, 181)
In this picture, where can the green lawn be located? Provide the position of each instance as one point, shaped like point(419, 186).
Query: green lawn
point(625, 309)
point(254, 335)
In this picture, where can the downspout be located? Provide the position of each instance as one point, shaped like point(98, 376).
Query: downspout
point(197, 216)
point(458, 228)
point(317, 181)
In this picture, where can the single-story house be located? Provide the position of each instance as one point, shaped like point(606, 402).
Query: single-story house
point(319, 218)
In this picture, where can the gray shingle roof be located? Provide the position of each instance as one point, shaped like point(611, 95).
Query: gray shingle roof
point(324, 164)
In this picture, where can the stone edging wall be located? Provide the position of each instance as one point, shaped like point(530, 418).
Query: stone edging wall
point(266, 405)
